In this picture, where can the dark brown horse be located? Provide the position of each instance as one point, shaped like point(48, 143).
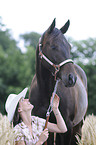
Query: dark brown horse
point(52, 62)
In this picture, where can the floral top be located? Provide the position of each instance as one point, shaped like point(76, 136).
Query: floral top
point(22, 131)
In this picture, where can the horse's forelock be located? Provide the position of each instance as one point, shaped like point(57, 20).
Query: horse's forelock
point(50, 36)
point(55, 33)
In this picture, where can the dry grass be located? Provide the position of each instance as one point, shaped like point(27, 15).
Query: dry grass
point(6, 131)
point(88, 131)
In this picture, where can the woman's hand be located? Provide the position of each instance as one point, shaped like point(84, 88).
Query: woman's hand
point(44, 136)
point(55, 103)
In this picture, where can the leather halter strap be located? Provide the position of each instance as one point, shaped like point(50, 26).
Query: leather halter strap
point(57, 67)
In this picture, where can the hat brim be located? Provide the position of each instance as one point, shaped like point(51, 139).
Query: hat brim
point(13, 106)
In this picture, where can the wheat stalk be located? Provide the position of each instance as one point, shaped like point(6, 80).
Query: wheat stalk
point(6, 131)
point(88, 131)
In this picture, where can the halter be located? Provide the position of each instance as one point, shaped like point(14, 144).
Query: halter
point(56, 67)
point(53, 95)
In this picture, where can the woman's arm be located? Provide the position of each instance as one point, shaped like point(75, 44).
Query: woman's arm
point(60, 127)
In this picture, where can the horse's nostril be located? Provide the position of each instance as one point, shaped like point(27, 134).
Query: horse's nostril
point(70, 76)
point(71, 79)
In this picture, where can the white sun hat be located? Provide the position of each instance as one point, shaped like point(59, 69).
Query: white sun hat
point(12, 101)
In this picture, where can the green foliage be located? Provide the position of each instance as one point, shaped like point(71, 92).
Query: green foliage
point(84, 54)
point(91, 73)
point(84, 51)
point(31, 39)
point(28, 67)
point(16, 69)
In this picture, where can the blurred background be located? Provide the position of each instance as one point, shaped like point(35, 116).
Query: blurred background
point(22, 22)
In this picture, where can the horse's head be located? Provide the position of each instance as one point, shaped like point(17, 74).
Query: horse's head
point(54, 50)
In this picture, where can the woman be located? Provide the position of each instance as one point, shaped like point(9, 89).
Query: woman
point(30, 129)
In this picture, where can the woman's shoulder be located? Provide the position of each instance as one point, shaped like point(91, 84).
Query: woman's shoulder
point(37, 118)
point(19, 126)
point(16, 126)
point(18, 132)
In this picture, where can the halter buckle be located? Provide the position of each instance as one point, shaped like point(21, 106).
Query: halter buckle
point(57, 68)
point(40, 54)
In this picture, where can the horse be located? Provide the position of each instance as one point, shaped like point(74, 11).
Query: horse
point(53, 62)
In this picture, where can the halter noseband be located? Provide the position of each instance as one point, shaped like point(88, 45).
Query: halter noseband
point(57, 67)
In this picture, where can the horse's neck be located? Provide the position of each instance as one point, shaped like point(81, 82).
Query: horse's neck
point(45, 80)
point(44, 77)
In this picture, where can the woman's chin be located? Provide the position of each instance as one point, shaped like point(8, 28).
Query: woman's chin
point(32, 106)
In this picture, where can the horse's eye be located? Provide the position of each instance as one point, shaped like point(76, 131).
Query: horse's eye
point(53, 47)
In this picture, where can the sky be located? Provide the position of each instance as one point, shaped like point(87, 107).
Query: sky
point(23, 16)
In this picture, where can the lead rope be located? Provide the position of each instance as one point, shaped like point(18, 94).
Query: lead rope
point(50, 106)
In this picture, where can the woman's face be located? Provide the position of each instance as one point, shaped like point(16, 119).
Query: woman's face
point(25, 105)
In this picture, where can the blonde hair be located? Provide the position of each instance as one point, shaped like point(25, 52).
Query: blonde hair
point(88, 136)
point(6, 131)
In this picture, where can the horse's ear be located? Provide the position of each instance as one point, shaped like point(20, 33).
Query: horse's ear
point(50, 29)
point(65, 27)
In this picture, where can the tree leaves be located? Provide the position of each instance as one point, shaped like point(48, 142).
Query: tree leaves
point(84, 53)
